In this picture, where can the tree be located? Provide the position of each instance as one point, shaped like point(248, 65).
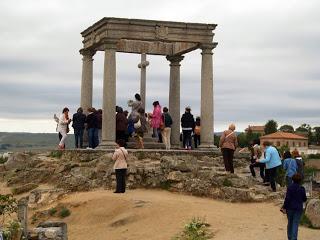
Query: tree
point(270, 127)
point(306, 130)
point(316, 135)
point(286, 128)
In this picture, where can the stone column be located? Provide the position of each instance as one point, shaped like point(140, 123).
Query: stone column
point(109, 96)
point(174, 98)
point(86, 81)
point(143, 66)
point(23, 215)
point(207, 96)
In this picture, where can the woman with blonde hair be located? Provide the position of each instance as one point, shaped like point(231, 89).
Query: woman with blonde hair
point(228, 144)
point(63, 127)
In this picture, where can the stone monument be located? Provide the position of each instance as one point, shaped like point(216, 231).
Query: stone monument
point(170, 39)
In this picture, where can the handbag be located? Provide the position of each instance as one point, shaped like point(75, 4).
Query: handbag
point(137, 124)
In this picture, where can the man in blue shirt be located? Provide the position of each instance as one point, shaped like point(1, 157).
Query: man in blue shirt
point(272, 161)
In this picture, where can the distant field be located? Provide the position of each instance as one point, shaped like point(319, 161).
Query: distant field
point(30, 141)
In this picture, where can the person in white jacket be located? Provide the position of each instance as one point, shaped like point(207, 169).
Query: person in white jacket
point(63, 127)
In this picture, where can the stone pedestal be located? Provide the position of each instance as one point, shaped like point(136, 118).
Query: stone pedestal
point(207, 111)
point(143, 66)
point(109, 97)
point(174, 99)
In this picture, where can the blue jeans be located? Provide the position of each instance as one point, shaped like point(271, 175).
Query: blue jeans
point(78, 137)
point(93, 137)
point(293, 224)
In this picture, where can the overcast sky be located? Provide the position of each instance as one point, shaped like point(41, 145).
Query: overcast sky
point(266, 65)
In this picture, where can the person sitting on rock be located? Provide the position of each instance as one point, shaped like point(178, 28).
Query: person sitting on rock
point(256, 153)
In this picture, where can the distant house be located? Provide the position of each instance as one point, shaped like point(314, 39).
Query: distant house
point(255, 129)
point(292, 140)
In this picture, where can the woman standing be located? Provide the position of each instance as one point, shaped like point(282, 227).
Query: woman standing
point(228, 144)
point(156, 119)
point(63, 127)
point(140, 128)
point(120, 166)
point(166, 131)
point(293, 205)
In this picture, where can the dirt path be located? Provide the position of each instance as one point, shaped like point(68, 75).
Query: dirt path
point(150, 214)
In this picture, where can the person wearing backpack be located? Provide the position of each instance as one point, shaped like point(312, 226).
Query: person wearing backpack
point(166, 131)
point(295, 154)
point(291, 167)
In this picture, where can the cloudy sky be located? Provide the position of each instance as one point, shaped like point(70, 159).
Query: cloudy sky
point(266, 65)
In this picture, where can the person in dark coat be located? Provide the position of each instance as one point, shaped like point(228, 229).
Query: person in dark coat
point(92, 126)
point(293, 205)
point(121, 124)
point(187, 124)
point(98, 139)
point(78, 121)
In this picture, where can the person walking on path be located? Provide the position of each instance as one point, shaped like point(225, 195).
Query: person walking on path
point(120, 156)
point(228, 144)
point(257, 153)
point(290, 165)
point(92, 126)
point(272, 161)
point(166, 131)
point(197, 130)
point(78, 121)
point(63, 127)
point(293, 206)
point(187, 124)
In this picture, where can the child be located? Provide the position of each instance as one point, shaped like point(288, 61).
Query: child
point(120, 166)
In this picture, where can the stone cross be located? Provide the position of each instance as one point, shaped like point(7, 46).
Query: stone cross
point(143, 66)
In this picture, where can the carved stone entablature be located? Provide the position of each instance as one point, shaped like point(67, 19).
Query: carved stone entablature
point(161, 32)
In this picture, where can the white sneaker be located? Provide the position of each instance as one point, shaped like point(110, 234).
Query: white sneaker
point(88, 148)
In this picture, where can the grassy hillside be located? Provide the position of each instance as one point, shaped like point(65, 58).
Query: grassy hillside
point(30, 141)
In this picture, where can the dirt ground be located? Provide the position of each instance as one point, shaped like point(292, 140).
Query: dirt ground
point(159, 215)
point(153, 214)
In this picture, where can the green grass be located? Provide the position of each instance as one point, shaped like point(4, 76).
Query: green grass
point(55, 154)
point(52, 211)
point(3, 160)
point(227, 183)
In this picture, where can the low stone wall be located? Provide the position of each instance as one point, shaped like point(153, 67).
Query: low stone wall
point(199, 173)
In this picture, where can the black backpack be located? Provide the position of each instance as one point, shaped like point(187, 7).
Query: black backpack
point(300, 167)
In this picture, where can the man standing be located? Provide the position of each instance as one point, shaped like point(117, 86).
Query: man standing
point(187, 124)
point(272, 161)
point(78, 121)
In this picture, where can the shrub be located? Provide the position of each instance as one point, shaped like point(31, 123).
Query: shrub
point(52, 211)
point(3, 160)
point(55, 154)
point(64, 212)
point(314, 156)
point(13, 230)
point(165, 185)
point(281, 176)
point(196, 229)
point(227, 183)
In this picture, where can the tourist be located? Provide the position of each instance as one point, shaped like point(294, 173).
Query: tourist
point(135, 106)
point(300, 164)
point(272, 161)
point(121, 124)
point(56, 119)
point(78, 121)
point(99, 123)
point(257, 153)
point(290, 165)
point(120, 156)
point(187, 124)
point(228, 144)
point(293, 206)
point(166, 131)
point(140, 128)
point(197, 130)
point(156, 119)
point(92, 127)
point(63, 127)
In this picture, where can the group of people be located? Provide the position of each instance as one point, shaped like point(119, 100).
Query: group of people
point(268, 160)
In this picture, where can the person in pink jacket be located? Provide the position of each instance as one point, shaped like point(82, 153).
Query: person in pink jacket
point(156, 119)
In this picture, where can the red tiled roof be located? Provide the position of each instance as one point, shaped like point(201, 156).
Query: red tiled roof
point(284, 135)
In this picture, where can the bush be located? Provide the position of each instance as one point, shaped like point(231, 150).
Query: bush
point(64, 212)
point(305, 221)
point(227, 183)
point(3, 160)
point(314, 156)
point(52, 211)
point(196, 229)
point(55, 154)
point(13, 230)
point(281, 176)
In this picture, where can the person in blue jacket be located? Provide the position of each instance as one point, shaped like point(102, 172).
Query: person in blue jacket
point(290, 165)
point(272, 161)
point(293, 205)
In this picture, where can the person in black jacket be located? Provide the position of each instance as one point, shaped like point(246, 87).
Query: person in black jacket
point(78, 121)
point(293, 205)
point(92, 126)
point(187, 124)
